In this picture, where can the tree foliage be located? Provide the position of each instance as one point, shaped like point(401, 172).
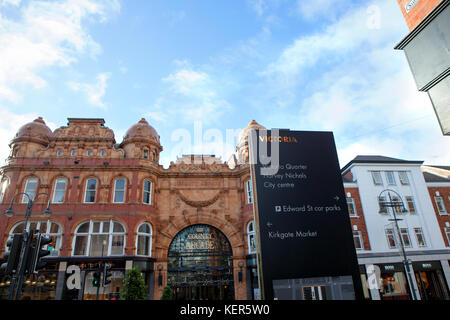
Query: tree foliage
point(167, 294)
point(134, 287)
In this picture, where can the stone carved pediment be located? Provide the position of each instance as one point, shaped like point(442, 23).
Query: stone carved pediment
point(199, 198)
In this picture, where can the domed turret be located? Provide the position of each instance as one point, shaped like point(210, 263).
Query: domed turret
point(242, 145)
point(142, 141)
point(36, 131)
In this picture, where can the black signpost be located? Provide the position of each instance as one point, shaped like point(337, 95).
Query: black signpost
point(301, 216)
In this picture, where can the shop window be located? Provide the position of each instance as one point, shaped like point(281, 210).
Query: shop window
point(403, 177)
point(119, 190)
point(376, 176)
point(99, 238)
point(351, 207)
point(357, 238)
point(91, 188)
point(59, 191)
point(251, 240)
point(3, 187)
point(47, 228)
point(30, 189)
point(249, 191)
point(390, 178)
point(393, 286)
point(144, 240)
point(147, 192)
point(440, 205)
point(411, 204)
point(420, 237)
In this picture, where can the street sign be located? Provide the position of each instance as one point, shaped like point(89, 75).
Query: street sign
point(300, 210)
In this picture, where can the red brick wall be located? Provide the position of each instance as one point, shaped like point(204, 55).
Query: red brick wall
point(359, 221)
point(444, 192)
point(418, 12)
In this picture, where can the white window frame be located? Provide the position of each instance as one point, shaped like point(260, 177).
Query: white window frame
point(391, 232)
point(358, 234)
point(351, 201)
point(390, 175)
point(58, 235)
point(405, 231)
point(249, 189)
point(124, 190)
point(447, 233)
point(417, 238)
point(145, 234)
point(31, 194)
point(444, 212)
point(382, 199)
point(64, 191)
point(251, 234)
point(403, 177)
point(86, 190)
point(91, 232)
point(376, 175)
point(410, 200)
point(147, 191)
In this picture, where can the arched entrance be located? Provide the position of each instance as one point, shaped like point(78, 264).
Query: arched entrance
point(200, 265)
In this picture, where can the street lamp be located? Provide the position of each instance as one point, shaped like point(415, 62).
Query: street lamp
point(19, 276)
point(397, 205)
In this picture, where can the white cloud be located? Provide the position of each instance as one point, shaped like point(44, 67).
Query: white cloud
point(10, 2)
point(46, 34)
point(312, 10)
point(259, 6)
point(95, 91)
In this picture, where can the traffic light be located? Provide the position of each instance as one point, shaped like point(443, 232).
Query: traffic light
point(106, 275)
point(96, 280)
point(36, 252)
point(13, 254)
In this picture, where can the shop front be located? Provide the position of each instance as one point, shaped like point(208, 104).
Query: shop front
point(393, 284)
point(430, 280)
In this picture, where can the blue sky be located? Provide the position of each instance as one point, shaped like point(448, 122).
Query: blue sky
point(216, 65)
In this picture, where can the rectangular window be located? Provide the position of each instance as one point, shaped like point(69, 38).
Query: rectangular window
point(357, 238)
point(390, 177)
point(30, 189)
point(147, 196)
point(3, 190)
point(391, 238)
point(249, 191)
point(411, 204)
point(72, 153)
point(91, 187)
point(119, 191)
point(59, 191)
point(403, 177)
point(440, 205)
point(419, 237)
point(405, 237)
point(376, 176)
point(447, 233)
point(351, 207)
point(381, 203)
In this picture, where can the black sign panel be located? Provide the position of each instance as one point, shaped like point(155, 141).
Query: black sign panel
point(301, 215)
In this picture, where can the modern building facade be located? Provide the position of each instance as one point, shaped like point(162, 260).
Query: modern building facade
point(427, 49)
point(190, 226)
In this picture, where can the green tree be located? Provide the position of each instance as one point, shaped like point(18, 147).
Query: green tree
point(167, 294)
point(134, 287)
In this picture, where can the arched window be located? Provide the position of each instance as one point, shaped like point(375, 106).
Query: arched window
point(147, 195)
point(3, 187)
point(30, 189)
point(59, 190)
point(91, 188)
point(251, 240)
point(119, 190)
point(248, 185)
point(99, 238)
point(47, 228)
point(144, 240)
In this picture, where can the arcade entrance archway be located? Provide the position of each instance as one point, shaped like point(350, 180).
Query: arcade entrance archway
point(200, 265)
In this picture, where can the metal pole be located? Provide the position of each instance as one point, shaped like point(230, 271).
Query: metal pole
point(405, 259)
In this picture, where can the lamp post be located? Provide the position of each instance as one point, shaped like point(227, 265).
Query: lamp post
point(28, 235)
point(397, 205)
